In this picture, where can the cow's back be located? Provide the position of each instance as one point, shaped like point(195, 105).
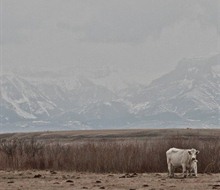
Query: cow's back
point(176, 156)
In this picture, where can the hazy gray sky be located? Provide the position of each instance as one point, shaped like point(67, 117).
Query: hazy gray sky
point(141, 38)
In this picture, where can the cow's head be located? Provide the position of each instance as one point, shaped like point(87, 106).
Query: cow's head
point(193, 152)
point(194, 162)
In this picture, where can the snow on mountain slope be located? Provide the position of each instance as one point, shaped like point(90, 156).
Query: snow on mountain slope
point(70, 78)
point(23, 98)
point(72, 92)
point(102, 99)
point(191, 91)
point(34, 98)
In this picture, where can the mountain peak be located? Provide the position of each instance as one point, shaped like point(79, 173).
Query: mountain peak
point(199, 63)
point(188, 95)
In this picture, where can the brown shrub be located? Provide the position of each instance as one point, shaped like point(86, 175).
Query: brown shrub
point(106, 156)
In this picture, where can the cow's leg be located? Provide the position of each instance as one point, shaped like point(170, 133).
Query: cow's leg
point(172, 170)
point(184, 170)
point(169, 169)
point(195, 172)
point(191, 172)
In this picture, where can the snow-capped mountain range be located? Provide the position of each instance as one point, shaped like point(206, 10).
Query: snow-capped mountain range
point(187, 96)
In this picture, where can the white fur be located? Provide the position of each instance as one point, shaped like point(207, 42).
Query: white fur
point(180, 157)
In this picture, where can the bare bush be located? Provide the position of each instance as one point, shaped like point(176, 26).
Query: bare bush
point(106, 156)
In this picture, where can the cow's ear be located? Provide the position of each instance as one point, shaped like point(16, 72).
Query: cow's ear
point(189, 151)
point(197, 152)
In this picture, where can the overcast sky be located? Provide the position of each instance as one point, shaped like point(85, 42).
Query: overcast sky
point(142, 38)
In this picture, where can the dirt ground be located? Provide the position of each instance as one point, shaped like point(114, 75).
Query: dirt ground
point(52, 180)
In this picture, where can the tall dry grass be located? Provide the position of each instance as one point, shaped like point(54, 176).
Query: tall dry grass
point(105, 155)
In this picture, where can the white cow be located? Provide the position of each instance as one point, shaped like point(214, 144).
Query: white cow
point(180, 157)
point(193, 168)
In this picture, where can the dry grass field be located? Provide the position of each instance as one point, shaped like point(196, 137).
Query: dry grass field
point(108, 159)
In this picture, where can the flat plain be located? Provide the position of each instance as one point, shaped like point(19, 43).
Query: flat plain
point(49, 180)
point(138, 134)
point(57, 178)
